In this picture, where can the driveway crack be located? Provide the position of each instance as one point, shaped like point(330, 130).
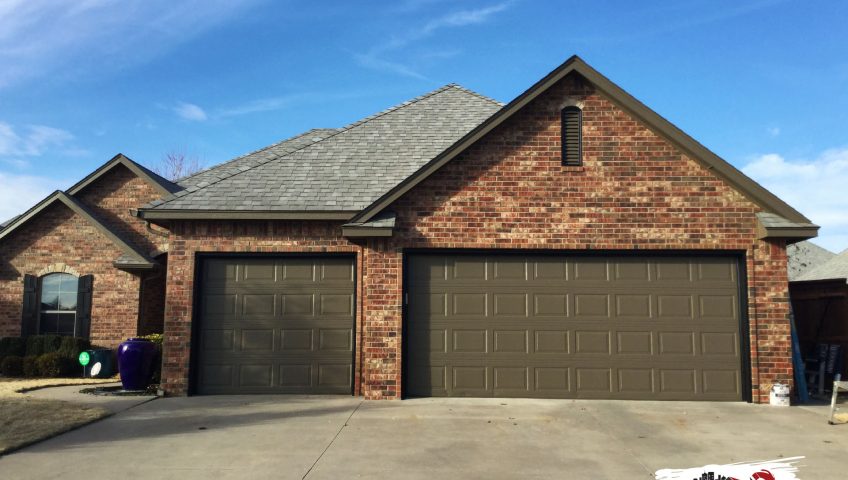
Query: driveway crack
point(331, 441)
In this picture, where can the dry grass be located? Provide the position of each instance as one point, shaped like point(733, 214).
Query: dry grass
point(25, 420)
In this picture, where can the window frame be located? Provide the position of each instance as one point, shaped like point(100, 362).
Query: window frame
point(58, 311)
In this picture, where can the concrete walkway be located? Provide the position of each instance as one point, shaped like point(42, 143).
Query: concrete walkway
point(342, 437)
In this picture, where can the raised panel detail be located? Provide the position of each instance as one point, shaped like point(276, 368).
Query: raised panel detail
point(511, 341)
point(469, 304)
point(336, 304)
point(428, 305)
point(469, 269)
point(632, 380)
point(588, 305)
point(295, 375)
point(716, 270)
point(721, 381)
point(259, 271)
point(550, 304)
point(510, 269)
point(593, 380)
point(297, 304)
point(299, 271)
point(337, 270)
point(219, 304)
point(257, 340)
point(258, 304)
point(469, 341)
point(511, 304)
point(635, 343)
point(296, 340)
point(677, 381)
point(719, 343)
point(592, 342)
point(718, 306)
point(674, 306)
point(218, 270)
point(335, 339)
point(255, 376)
point(334, 375)
point(551, 379)
point(510, 378)
point(677, 343)
point(633, 306)
point(551, 341)
point(673, 270)
point(469, 378)
point(550, 270)
point(217, 375)
point(636, 269)
point(590, 269)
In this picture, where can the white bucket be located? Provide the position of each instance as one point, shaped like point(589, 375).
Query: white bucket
point(779, 395)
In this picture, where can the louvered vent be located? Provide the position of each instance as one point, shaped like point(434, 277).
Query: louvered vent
point(572, 137)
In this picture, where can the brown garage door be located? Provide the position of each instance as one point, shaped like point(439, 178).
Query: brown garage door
point(275, 325)
point(573, 327)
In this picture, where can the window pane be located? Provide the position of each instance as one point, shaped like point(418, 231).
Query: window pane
point(69, 283)
point(51, 282)
point(65, 323)
point(49, 300)
point(68, 301)
point(49, 323)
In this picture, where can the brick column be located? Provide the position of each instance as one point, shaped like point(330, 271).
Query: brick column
point(382, 321)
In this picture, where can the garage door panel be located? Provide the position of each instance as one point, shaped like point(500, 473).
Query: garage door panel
point(282, 325)
point(560, 327)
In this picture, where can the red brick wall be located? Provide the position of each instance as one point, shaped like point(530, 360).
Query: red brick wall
point(635, 190)
point(57, 235)
point(189, 238)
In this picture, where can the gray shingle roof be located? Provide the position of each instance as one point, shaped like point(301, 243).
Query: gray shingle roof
point(338, 170)
point(773, 220)
point(836, 267)
point(805, 256)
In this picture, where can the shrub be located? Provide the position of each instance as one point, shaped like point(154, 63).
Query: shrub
point(12, 346)
point(52, 343)
point(34, 345)
point(30, 367)
point(157, 361)
point(54, 365)
point(72, 346)
point(12, 366)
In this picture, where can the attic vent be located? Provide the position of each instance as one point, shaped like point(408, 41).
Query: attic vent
point(572, 138)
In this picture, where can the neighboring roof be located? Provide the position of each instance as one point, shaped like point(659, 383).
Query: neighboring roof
point(162, 185)
point(805, 256)
point(752, 190)
point(131, 257)
point(8, 222)
point(836, 267)
point(338, 174)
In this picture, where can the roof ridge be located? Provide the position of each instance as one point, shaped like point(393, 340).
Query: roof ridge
point(338, 131)
point(294, 137)
point(479, 95)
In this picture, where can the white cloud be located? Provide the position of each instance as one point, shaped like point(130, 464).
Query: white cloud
point(34, 141)
point(816, 187)
point(75, 37)
point(375, 57)
point(190, 111)
point(20, 192)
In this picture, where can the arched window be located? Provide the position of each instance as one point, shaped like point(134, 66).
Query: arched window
point(57, 296)
point(572, 136)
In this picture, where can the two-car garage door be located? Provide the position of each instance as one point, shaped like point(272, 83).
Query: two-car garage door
point(629, 327)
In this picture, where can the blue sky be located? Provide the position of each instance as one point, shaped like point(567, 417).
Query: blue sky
point(762, 83)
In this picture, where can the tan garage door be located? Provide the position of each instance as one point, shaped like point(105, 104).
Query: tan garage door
point(275, 325)
point(573, 327)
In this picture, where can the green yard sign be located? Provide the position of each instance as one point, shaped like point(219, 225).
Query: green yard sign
point(84, 358)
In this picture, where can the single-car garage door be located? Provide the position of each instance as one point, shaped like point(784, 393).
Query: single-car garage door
point(275, 325)
point(628, 327)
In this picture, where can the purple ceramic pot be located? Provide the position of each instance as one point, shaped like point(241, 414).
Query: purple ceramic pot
point(135, 359)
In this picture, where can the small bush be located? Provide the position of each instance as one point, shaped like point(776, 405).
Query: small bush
point(34, 345)
point(157, 361)
point(54, 365)
point(12, 346)
point(30, 366)
point(12, 366)
point(72, 346)
point(52, 343)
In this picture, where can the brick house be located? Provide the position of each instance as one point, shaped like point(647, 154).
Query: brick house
point(569, 244)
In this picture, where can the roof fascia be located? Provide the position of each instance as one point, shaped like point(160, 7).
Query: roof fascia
point(154, 214)
point(120, 159)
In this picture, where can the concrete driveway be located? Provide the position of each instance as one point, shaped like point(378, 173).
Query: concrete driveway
point(343, 437)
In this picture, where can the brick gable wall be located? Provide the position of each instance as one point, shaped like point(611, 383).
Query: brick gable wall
point(59, 236)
